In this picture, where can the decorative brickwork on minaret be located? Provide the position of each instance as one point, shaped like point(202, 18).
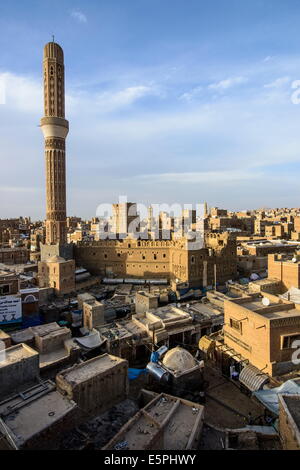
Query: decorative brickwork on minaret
point(55, 129)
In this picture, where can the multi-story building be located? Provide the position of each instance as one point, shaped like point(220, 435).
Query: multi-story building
point(125, 218)
point(171, 259)
point(262, 331)
point(57, 273)
point(286, 269)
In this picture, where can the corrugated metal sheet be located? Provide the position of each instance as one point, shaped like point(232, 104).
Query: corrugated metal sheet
point(206, 344)
point(253, 378)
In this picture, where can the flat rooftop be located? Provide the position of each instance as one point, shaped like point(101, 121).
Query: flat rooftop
point(170, 313)
point(44, 330)
point(26, 419)
point(166, 315)
point(265, 282)
point(293, 404)
point(16, 354)
point(180, 420)
point(207, 310)
point(256, 305)
point(287, 261)
point(86, 370)
point(148, 294)
point(281, 314)
point(273, 311)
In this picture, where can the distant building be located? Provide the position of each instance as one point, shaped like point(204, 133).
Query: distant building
point(172, 259)
point(145, 301)
point(286, 269)
point(57, 273)
point(125, 218)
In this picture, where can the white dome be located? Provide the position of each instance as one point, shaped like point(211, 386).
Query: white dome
point(179, 360)
point(55, 259)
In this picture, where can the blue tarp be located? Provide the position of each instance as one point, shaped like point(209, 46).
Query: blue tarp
point(269, 398)
point(33, 320)
point(134, 374)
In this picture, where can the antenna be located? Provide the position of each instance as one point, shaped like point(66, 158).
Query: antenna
point(52, 37)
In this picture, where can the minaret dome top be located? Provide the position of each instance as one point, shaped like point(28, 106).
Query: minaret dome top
point(52, 50)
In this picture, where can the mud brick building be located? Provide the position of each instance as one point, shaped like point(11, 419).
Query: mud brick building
point(171, 259)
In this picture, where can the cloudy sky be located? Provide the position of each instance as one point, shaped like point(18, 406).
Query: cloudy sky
point(174, 101)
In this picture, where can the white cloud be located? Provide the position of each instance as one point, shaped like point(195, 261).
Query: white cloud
point(220, 144)
point(268, 58)
point(95, 103)
point(228, 83)
point(111, 101)
point(190, 95)
point(79, 16)
point(278, 83)
point(200, 177)
point(18, 189)
point(21, 93)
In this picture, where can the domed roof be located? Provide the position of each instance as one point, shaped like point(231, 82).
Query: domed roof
point(52, 50)
point(55, 259)
point(179, 360)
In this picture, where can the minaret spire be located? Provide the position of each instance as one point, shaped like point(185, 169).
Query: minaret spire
point(55, 129)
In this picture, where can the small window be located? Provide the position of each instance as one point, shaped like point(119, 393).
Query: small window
point(5, 289)
point(288, 341)
point(235, 324)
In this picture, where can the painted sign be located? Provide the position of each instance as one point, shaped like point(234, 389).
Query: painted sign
point(10, 309)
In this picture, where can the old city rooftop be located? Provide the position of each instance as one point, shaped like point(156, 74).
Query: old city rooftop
point(87, 370)
point(275, 309)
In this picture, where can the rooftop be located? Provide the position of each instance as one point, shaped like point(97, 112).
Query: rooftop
point(26, 419)
point(275, 309)
point(179, 419)
point(86, 370)
point(293, 404)
point(16, 354)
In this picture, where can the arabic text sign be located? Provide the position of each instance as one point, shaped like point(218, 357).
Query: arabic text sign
point(10, 309)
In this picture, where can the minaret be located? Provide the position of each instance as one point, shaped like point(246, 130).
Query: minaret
point(55, 129)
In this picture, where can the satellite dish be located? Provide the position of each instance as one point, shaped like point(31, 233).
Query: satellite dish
point(266, 301)
point(178, 305)
point(187, 305)
point(294, 260)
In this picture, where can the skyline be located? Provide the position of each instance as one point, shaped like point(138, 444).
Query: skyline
point(172, 115)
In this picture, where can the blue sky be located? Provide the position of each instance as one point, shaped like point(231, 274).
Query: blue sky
point(169, 101)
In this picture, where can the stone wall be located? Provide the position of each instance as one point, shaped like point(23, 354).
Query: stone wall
point(168, 259)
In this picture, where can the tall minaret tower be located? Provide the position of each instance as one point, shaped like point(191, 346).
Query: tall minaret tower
point(55, 129)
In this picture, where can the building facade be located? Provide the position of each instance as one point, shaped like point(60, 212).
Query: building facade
point(169, 259)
